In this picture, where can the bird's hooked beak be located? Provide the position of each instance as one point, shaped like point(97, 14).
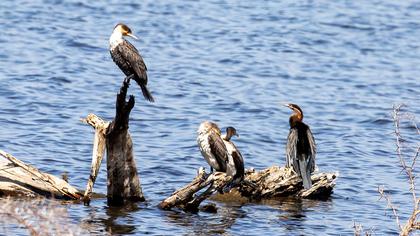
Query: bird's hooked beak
point(287, 105)
point(133, 36)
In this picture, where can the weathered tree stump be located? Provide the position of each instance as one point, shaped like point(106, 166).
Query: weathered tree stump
point(20, 179)
point(266, 184)
point(123, 182)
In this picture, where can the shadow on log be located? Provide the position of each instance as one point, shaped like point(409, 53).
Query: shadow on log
point(20, 179)
point(123, 182)
point(266, 184)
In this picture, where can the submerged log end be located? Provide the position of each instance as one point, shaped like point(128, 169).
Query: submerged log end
point(166, 204)
point(209, 208)
point(185, 194)
point(122, 200)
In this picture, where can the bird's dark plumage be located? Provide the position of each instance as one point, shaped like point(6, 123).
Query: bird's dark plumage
point(129, 60)
point(218, 148)
point(239, 165)
point(301, 147)
point(235, 166)
point(212, 146)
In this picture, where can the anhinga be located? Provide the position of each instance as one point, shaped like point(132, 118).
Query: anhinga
point(301, 147)
point(235, 165)
point(128, 59)
point(212, 146)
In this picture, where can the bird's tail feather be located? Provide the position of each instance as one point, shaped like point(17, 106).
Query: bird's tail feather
point(305, 174)
point(146, 93)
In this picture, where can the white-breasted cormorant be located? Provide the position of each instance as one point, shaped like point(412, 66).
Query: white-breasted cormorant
point(128, 58)
point(301, 147)
point(235, 165)
point(212, 146)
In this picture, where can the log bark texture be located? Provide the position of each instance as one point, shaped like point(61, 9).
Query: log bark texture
point(20, 179)
point(266, 184)
point(185, 198)
point(123, 182)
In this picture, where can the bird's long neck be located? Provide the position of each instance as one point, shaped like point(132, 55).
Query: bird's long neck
point(229, 134)
point(296, 118)
point(226, 137)
point(115, 39)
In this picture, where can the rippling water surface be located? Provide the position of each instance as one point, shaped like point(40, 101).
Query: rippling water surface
point(345, 62)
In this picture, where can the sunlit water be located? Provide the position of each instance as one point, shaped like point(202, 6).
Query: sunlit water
point(344, 62)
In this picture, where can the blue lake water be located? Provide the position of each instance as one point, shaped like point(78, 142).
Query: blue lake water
point(234, 62)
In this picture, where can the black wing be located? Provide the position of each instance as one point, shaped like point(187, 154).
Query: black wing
point(291, 149)
point(132, 62)
point(130, 54)
point(239, 163)
point(312, 150)
point(219, 150)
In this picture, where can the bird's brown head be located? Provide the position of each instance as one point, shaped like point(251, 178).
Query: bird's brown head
point(230, 131)
point(297, 111)
point(208, 126)
point(124, 30)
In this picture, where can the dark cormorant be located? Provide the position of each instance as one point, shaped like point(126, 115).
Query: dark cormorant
point(301, 147)
point(235, 165)
point(128, 59)
point(212, 146)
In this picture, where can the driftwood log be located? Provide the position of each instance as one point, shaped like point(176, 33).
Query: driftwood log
point(123, 183)
point(20, 179)
point(266, 184)
point(98, 151)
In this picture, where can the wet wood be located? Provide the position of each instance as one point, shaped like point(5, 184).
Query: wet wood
point(123, 182)
point(266, 184)
point(20, 179)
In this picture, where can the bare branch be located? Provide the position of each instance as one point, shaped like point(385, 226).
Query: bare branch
point(412, 222)
point(390, 205)
point(358, 230)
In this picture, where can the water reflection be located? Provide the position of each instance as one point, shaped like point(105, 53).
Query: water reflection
point(208, 223)
point(293, 213)
point(116, 220)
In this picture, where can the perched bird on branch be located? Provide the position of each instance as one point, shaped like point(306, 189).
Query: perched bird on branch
point(235, 165)
point(212, 146)
point(128, 59)
point(301, 147)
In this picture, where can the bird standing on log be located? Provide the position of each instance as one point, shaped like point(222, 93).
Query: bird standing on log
point(301, 147)
point(212, 146)
point(128, 59)
point(235, 165)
